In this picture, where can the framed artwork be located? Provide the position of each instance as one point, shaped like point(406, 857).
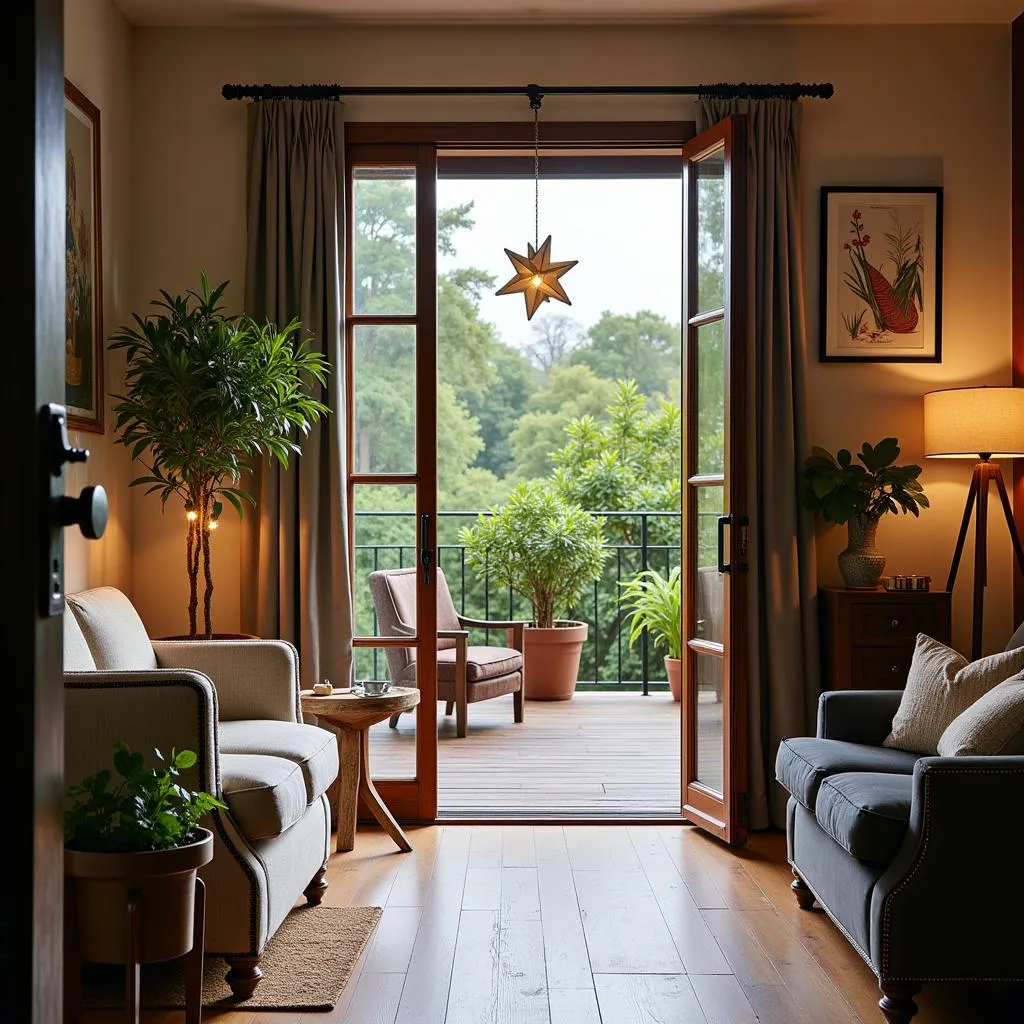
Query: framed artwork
point(83, 298)
point(881, 274)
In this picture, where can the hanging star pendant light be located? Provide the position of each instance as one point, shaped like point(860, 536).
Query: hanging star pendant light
point(537, 277)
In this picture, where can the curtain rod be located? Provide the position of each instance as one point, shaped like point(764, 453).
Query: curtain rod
point(535, 93)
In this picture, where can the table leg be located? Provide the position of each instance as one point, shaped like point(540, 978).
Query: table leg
point(194, 959)
point(348, 787)
point(133, 958)
point(372, 798)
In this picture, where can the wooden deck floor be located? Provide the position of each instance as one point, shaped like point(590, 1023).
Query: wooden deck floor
point(599, 755)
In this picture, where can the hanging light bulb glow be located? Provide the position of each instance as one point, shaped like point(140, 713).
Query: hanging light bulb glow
point(536, 276)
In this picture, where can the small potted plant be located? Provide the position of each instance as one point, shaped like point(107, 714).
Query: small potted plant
point(206, 392)
point(653, 602)
point(140, 835)
point(859, 493)
point(546, 550)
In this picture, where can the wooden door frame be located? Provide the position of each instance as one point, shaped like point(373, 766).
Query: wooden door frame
point(1017, 278)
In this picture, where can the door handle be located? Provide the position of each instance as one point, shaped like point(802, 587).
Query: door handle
point(723, 522)
point(426, 555)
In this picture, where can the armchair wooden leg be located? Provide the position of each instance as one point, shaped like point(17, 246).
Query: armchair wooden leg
point(517, 703)
point(244, 975)
point(804, 896)
point(461, 718)
point(314, 892)
point(449, 707)
point(897, 1003)
point(393, 720)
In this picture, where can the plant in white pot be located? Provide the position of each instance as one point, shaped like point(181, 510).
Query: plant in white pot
point(206, 392)
point(138, 837)
point(546, 550)
point(859, 494)
point(653, 602)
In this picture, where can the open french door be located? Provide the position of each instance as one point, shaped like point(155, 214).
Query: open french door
point(391, 343)
point(714, 721)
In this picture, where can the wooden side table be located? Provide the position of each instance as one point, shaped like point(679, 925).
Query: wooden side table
point(352, 715)
point(868, 636)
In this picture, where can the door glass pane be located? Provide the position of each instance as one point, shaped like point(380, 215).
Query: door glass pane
point(384, 240)
point(710, 749)
point(711, 231)
point(710, 353)
point(709, 600)
point(384, 396)
point(392, 750)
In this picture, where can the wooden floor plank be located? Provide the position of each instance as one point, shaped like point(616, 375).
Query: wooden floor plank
point(390, 949)
point(722, 999)
point(473, 996)
point(573, 1006)
point(748, 960)
point(522, 986)
point(482, 890)
point(374, 1000)
point(520, 897)
point(647, 999)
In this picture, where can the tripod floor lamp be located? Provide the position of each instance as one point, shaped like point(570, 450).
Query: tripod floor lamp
point(983, 423)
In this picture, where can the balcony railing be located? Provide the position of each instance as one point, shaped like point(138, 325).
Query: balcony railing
point(635, 541)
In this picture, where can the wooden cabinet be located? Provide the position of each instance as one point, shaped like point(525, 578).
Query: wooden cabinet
point(868, 636)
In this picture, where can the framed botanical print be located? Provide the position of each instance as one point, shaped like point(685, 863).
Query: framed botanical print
point(881, 274)
point(83, 297)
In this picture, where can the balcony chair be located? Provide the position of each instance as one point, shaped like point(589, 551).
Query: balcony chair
point(464, 674)
point(236, 704)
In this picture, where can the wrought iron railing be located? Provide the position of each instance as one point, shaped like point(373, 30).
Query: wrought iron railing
point(635, 541)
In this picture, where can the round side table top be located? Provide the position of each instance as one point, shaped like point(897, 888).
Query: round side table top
point(345, 703)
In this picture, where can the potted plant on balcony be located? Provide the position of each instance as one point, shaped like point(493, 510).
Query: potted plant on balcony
point(205, 393)
point(859, 494)
point(653, 603)
point(139, 836)
point(546, 550)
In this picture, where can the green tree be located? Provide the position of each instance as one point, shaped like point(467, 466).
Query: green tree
point(555, 337)
point(643, 347)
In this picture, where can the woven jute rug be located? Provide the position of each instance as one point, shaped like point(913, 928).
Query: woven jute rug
point(306, 965)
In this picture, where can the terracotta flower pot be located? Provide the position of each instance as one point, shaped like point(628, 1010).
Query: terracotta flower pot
point(166, 883)
point(674, 671)
point(551, 659)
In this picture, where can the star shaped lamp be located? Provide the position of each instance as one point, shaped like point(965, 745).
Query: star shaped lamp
point(537, 277)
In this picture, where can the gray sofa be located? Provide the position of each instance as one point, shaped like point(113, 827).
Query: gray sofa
point(919, 861)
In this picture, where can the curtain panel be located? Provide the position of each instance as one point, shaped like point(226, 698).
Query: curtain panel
point(295, 549)
point(783, 625)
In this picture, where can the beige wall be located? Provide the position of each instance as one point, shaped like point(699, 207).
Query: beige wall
point(97, 54)
point(913, 105)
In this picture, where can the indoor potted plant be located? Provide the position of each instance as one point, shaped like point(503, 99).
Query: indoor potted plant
point(206, 392)
point(544, 549)
point(653, 602)
point(859, 493)
point(140, 835)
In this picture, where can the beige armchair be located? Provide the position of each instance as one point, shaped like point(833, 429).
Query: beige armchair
point(465, 673)
point(236, 704)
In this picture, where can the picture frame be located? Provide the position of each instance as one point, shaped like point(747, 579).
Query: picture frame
point(881, 274)
point(84, 391)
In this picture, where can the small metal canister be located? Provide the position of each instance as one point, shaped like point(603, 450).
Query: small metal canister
point(910, 582)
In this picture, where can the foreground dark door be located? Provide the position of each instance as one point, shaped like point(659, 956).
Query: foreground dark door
point(31, 296)
point(714, 743)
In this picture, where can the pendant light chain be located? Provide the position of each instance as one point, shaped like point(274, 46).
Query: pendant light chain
point(536, 179)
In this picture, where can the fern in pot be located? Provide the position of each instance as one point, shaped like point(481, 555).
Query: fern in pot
point(546, 550)
point(654, 603)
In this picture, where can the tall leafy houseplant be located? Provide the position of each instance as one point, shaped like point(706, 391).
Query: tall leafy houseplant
point(546, 550)
point(859, 493)
point(653, 602)
point(206, 393)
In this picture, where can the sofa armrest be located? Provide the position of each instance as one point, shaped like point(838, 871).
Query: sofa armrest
point(857, 716)
point(254, 678)
point(948, 905)
point(153, 709)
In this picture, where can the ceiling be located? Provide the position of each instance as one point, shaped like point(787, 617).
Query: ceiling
point(279, 13)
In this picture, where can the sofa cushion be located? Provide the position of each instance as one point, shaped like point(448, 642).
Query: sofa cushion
point(313, 749)
point(266, 795)
point(481, 663)
point(993, 724)
point(77, 656)
point(113, 630)
point(866, 813)
point(804, 761)
point(940, 685)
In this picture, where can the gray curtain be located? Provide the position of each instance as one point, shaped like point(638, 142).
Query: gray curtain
point(295, 551)
point(783, 630)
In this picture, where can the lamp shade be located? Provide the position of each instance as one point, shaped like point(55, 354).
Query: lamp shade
point(962, 423)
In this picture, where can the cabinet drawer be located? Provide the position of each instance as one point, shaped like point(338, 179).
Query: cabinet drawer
point(894, 622)
point(880, 668)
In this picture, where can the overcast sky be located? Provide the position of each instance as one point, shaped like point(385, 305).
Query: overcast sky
point(626, 234)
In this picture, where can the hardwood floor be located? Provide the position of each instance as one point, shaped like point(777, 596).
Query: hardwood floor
point(659, 924)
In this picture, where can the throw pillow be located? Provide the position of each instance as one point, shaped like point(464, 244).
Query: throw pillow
point(993, 724)
point(941, 684)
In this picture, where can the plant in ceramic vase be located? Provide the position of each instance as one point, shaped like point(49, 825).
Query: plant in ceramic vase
point(858, 493)
point(653, 602)
point(207, 392)
point(546, 550)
